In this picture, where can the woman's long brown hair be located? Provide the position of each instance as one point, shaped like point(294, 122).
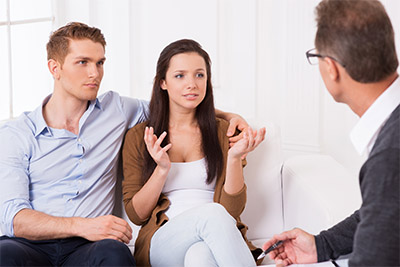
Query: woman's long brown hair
point(205, 112)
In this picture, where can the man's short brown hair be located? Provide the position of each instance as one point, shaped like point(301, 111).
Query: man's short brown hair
point(58, 45)
point(359, 34)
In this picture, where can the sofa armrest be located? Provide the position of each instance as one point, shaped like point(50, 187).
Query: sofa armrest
point(318, 192)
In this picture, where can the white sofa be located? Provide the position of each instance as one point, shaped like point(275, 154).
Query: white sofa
point(312, 192)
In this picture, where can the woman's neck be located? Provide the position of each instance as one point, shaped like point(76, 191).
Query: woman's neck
point(181, 119)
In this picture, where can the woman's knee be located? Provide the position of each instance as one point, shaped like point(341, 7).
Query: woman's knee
point(199, 254)
point(217, 212)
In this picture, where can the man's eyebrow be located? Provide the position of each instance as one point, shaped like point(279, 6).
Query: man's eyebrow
point(82, 57)
point(89, 58)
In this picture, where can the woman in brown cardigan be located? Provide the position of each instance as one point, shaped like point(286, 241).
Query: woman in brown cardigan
point(186, 190)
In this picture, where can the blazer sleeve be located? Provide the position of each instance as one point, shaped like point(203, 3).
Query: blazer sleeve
point(133, 164)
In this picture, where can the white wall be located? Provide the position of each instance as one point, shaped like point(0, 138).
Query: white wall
point(258, 53)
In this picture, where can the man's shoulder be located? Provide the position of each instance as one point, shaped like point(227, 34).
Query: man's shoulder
point(393, 121)
point(22, 124)
point(17, 134)
point(133, 108)
point(385, 155)
point(389, 136)
point(111, 96)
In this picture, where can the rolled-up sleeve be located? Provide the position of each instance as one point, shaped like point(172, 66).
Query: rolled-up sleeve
point(14, 179)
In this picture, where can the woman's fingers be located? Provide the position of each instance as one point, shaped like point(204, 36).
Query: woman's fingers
point(254, 138)
point(151, 139)
point(166, 148)
point(259, 137)
point(149, 136)
point(251, 137)
point(153, 144)
point(160, 139)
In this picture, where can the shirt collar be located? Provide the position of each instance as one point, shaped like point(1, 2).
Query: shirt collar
point(97, 104)
point(364, 134)
point(38, 119)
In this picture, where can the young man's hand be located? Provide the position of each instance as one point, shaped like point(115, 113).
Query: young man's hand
point(236, 122)
point(106, 227)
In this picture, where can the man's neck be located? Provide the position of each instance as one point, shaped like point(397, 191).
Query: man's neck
point(365, 94)
point(64, 112)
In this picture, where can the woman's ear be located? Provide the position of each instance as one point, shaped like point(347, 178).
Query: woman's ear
point(163, 85)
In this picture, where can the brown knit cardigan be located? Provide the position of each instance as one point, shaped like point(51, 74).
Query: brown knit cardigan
point(133, 164)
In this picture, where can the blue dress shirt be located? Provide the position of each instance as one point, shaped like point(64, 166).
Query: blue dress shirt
point(59, 173)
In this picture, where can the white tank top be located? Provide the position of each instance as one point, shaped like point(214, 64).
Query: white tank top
point(186, 186)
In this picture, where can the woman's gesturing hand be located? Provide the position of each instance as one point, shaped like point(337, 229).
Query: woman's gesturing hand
point(153, 144)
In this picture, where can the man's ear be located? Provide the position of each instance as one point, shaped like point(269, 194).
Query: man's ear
point(54, 68)
point(333, 70)
point(163, 85)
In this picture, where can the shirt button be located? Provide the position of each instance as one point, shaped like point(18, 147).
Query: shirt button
point(79, 140)
point(80, 161)
point(80, 181)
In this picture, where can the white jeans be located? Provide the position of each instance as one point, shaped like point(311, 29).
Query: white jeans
point(203, 236)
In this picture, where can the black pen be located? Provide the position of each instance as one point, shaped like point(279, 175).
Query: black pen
point(334, 263)
point(271, 248)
